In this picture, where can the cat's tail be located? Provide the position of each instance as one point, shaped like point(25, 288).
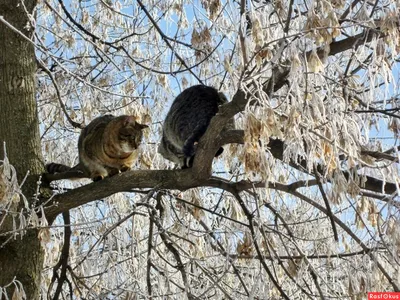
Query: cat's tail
point(57, 171)
point(188, 161)
point(53, 168)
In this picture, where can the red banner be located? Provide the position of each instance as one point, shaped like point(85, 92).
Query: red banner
point(383, 295)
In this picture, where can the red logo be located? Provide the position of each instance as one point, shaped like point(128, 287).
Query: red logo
point(383, 295)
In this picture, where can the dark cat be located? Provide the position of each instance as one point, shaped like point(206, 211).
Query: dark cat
point(186, 122)
point(106, 146)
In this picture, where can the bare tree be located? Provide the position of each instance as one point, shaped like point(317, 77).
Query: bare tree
point(303, 202)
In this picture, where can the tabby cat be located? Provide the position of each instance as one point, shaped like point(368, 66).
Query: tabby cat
point(187, 121)
point(106, 146)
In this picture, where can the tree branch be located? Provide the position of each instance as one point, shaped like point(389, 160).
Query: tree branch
point(328, 207)
point(169, 244)
point(63, 262)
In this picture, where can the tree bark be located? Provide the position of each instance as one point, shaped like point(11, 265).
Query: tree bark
point(21, 258)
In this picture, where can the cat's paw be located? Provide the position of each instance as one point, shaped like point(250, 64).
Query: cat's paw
point(125, 168)
point(97, 178)
point(189, 149)
point(112, 172)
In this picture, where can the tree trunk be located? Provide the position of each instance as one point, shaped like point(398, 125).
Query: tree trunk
point(20, 258)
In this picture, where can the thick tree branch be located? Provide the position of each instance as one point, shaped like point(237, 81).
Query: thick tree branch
point(380, 155)
point(352, 42)
point(184, 179)
point(203, 159)
point(314, 256)
point(124, 182)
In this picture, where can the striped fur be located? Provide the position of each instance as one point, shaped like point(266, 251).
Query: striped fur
point(187, 121)
point(106, 146)
point(53, 168)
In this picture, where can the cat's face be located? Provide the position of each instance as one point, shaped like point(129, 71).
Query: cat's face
point(168, 151)
point(130, 134)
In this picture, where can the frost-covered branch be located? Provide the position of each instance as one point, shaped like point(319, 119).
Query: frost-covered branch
point(62, 263)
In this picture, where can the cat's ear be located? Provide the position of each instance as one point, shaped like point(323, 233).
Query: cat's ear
point(129, 119)
point(141, 126)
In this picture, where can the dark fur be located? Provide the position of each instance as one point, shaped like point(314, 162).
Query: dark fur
point(53, 168)
point(106, 147)
point(187, 121)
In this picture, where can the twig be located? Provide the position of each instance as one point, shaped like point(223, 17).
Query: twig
point(289, 16)
point(63, 108)
point(149, 247)
point(241, 32)
point(328, 207)
point(249, 216)
point(63, 262)
point(171, 248)
point(166, 40)
point(348, 10)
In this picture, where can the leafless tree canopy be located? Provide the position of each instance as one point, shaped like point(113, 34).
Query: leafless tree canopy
point(302, 204)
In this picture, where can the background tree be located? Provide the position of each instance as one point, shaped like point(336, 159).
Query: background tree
point(21, 255)
point(303, 203)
